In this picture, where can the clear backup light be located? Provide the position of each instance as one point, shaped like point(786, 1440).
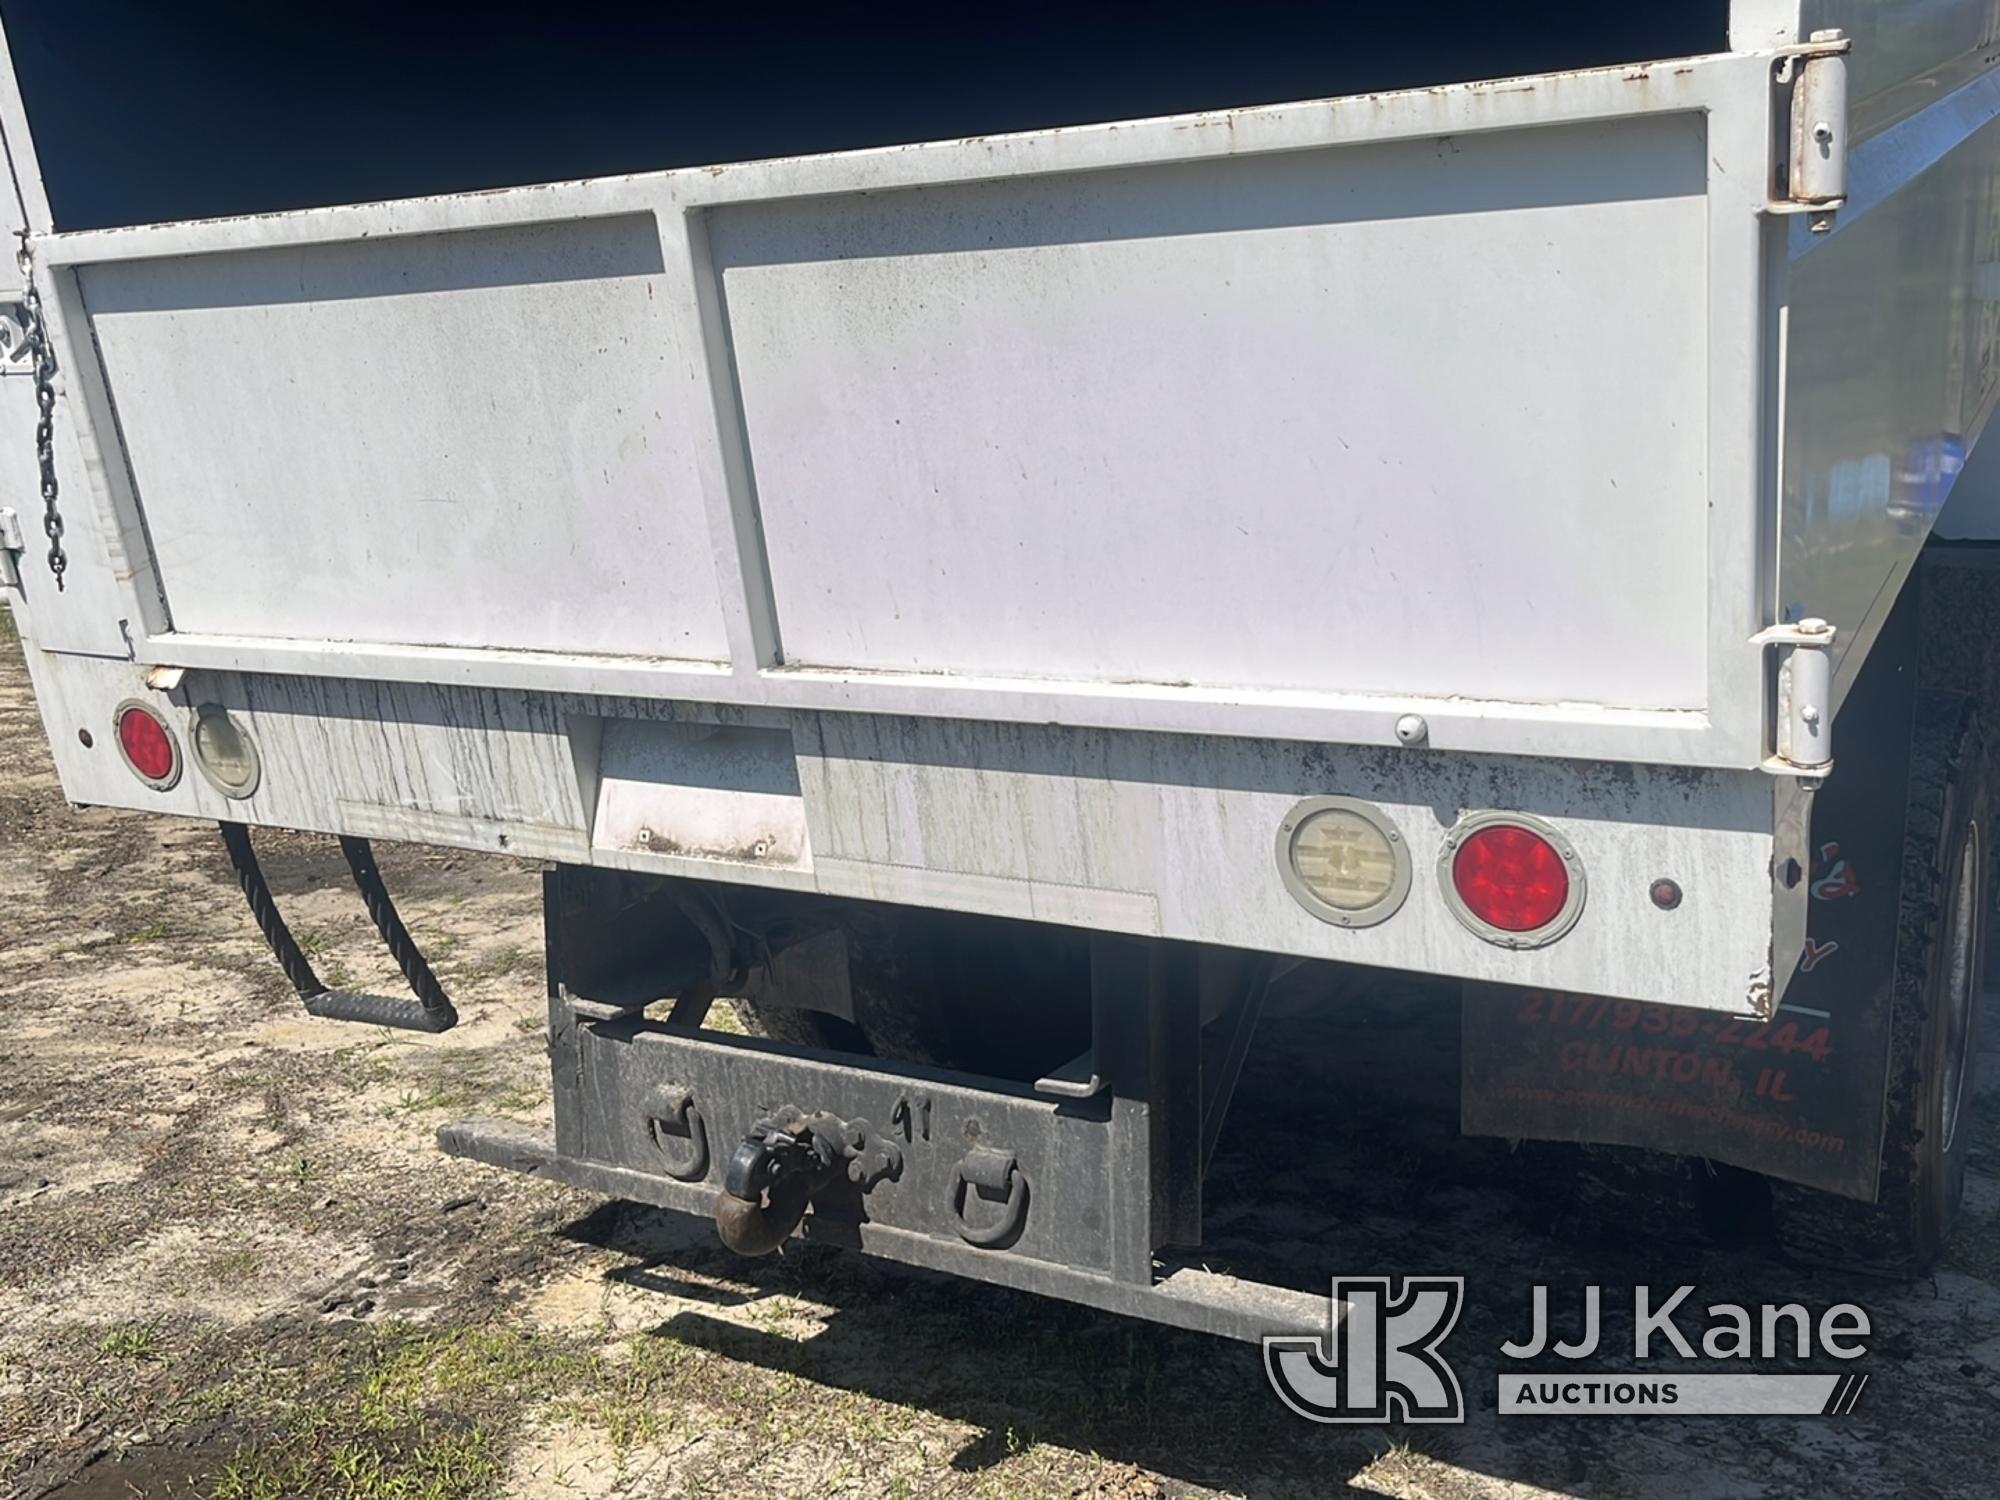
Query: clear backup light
point(1343, 861)
point(148, 746)
point(1511, 879)
point(224, 752)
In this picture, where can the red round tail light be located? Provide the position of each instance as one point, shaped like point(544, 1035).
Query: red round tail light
point(148, 745)
point(1513, 882)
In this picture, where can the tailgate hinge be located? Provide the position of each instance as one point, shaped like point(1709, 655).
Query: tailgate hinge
point(1814, 172)
point(1804, 716)
point(11, 547)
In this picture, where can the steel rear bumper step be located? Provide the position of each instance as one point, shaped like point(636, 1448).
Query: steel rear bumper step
point(1096, 1200)
point(1179, 1296)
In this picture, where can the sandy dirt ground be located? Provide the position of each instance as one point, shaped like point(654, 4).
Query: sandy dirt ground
point(232, 1263)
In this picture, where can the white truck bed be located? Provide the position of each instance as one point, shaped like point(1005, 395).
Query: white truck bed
point(1026, 523)
point(1190, 424)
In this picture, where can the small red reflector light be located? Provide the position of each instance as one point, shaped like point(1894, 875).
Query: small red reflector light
point(1511, 878)
point(149, 747)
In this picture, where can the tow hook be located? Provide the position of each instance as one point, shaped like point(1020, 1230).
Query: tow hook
point(672, 1109)
point(992, 1172)
point(782, 1162)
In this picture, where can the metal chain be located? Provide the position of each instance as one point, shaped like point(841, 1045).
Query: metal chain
point(35, 331)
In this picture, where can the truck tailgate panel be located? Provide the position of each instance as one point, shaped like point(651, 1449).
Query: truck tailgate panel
point(1343, 420)
point(493, 408)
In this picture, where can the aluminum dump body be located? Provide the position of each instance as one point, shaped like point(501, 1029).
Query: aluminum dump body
point(1025, 522)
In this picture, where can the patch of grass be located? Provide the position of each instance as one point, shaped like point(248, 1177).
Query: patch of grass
point(149, 934)
point(482, 1080)
point(10, 633)
point(506, 961)
point(209, 1403)
point(514, 1102)
point(133, 1341)
point(235, 1265)
point(411, 1413)
point(631, 1410)
point(369, 1067)
point(317, 945)
point(438, 1093)
point(415, 1366)
point(475, 970)
point(429, 1466)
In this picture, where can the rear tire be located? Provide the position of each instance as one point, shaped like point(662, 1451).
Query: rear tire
point(1940, 961)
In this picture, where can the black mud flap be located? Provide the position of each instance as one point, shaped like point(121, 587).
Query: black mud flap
point(1799, 1097)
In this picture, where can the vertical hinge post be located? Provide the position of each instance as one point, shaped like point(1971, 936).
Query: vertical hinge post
point(11, 547)
point(1816, 161)
point(1804, 719)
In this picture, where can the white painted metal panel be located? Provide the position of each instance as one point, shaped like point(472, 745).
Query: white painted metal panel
point(1401, 418)
point(1892, 365)
point(1906, 53)
point(1301, 228)
point(1480, 371)
point(474, 439)
point(1902, 47)
point(1160, 835)
point(698, 791)
point(1175, 836)
point(87, 615)
point(784, 314)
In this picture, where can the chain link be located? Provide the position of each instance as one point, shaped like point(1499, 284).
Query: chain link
point(36, 332)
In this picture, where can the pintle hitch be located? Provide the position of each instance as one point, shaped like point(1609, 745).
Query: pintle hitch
point(783, 1162)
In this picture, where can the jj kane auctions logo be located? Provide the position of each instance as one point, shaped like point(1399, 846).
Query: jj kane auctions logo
point(1381, 1357)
